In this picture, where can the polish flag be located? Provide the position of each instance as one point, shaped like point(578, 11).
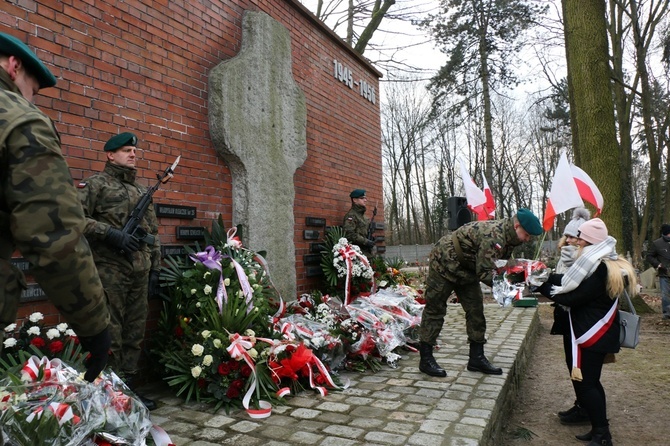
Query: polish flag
point(475, 197)
point(587, 189)
point(564, 194)
point(490, 205)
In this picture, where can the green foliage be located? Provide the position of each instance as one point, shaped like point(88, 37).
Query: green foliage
point(333, 235)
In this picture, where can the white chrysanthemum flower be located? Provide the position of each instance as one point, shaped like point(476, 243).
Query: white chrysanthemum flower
point(62, 327)
point(36, 317)
point(207, 290)
point(70, 332)
point(198, 304)
point(226, 281)
point(196, 371)
point(53, 333)
point(217, 343)
point(193, 291)
point(205, 334)
point(197, 350)
point(253, 353)
point(249, 332)
point(10, 328)
point(34, 331)
point(9, 342)
point(207, 360)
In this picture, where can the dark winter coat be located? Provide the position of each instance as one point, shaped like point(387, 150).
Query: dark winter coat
point(588, 303)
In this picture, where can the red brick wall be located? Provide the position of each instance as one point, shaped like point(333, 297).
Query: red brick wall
point(142, 66)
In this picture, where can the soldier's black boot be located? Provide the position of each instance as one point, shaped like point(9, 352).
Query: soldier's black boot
point(427, 364)
point(600, 436)
point(131, 383)
point(479, 363)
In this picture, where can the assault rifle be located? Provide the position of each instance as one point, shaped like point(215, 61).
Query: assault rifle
point(132, 226)
point(371, 226)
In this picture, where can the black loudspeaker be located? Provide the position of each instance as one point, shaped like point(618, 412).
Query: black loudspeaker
point(459, 214)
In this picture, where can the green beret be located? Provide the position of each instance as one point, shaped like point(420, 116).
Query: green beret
point(357, 193)
point(529, 221)
point(11, 46)
point(121, 140)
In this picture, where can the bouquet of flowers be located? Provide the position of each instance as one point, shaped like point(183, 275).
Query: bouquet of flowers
point(218, 342)
point(32, 338)
point(48, 402)
point(346, 269)
point(511, 278)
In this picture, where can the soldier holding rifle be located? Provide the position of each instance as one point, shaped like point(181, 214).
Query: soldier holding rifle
point(128, 260)
point(357, 227)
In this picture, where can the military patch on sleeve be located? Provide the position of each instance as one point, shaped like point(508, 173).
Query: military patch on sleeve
point(497, 246)
point(82, 185)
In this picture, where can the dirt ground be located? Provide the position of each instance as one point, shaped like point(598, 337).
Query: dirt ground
point(637, 387)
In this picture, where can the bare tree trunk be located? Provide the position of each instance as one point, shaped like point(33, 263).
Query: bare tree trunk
point(587, 50)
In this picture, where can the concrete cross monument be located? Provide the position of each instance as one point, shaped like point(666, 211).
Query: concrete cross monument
point(258, 122)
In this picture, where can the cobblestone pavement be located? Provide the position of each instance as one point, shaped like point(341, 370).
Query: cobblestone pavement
point(398, 406)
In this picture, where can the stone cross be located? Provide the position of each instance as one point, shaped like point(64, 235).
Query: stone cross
point(258, 122)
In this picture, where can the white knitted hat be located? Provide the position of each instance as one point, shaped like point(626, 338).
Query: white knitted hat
point(579, 216)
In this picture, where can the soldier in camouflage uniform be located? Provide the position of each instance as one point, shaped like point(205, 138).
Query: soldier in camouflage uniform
point(458, 262)
point(128, 266)
point(40, 214)
point(356, 224)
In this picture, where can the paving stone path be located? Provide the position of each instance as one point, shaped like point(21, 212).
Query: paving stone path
point(398, 406)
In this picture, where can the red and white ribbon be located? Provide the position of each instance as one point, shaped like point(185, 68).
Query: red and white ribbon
point(349, 254)
point(590, 337)
point(31, 369)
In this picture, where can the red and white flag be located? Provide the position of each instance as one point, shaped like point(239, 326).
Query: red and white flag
point(474, 195)
point(564, 194)
point(587, 189)
point(490, 205)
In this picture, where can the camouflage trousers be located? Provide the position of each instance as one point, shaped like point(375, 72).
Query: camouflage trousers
point(127, 299)
point(438, 290)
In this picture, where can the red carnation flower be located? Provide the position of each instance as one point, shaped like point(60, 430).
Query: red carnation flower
point(234, 365)
point(238, 384)
point(38, 342)
point(245, 370)
point(56, 347)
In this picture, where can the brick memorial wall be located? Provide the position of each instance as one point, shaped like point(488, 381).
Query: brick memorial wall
point(144, 66)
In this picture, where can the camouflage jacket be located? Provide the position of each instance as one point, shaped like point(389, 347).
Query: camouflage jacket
point(356, 226)
point(41, 216)
point(109, 198)
point(482, 243)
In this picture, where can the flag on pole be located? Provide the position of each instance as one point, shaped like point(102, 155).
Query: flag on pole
point(490, 205)
point(587, 189)
point(563, 195)
point(475, 197)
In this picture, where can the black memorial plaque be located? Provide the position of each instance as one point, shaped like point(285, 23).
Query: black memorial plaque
point(32, 293)
point(316, 248)
point(311, 259)
point(309, 234)
point(190, 232)
point(175, 211)
point(313, 271)
point(314, 221)
point(172, 250)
